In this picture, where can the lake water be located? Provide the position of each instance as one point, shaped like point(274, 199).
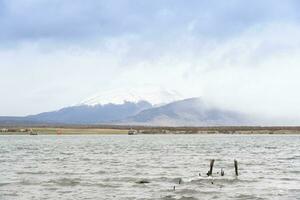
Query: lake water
point(110, 167)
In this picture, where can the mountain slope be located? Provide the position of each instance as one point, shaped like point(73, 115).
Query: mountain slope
point(188, 112)
point(85, 114)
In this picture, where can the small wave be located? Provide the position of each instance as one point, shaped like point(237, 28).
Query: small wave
point(200, 181)
point(52, 188)
point(168, 180)
point(86, 159)
point(99, 172)
point(12, 194)
point(33, 173)
point(294, 172)
point(66, 181)
point(232, 180)
point(247, 196)
point(219, 180)
point(294, 190)
point(169, 197)
point(287, 179)
point(66, 153)
point(187, 191)
point(270, 147)
point(73, 173)
point(290, 158)
point(4, 184)
point(28, 182)
point(187, 198)
point(122, 179)
point(173, 197)
point(101, 185)
point(169, 167)
point(29, 149)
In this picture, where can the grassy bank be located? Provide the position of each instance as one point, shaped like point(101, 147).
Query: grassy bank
point(68, 131)
point(106, 130)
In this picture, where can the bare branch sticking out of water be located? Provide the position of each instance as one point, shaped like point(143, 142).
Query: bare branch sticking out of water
point(209, 173)
point(236, 167)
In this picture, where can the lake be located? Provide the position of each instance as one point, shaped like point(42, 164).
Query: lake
point(112, 167)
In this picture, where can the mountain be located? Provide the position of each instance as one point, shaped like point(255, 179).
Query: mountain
point(86, 114)
point(6, 120)
point(188, 112)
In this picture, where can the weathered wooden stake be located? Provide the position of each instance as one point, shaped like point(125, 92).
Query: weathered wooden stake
point(222, 172)
point(209, 173)
point(236, 167)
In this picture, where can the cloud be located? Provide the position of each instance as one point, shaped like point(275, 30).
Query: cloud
point(237, 54)
point(74, 20)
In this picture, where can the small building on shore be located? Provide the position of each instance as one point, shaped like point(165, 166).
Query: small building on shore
point(4, 130)
point(132, 132)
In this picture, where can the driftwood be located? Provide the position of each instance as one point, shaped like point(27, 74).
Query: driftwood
point(143, 182)
point(236, 167)
point(209, 173)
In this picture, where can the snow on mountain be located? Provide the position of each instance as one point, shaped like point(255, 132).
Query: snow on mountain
point(153, 96)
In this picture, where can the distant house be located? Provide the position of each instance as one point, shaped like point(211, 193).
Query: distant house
point(132, 132)
point(4, 130)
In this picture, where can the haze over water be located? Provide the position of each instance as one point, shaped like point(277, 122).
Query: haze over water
point(109, 167)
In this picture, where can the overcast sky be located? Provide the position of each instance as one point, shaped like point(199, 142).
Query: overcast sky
point(237, 54)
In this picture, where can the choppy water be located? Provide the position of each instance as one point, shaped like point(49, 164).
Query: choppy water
point(109, 167)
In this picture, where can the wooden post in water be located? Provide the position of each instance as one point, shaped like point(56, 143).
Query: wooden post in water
point(179, 181)
point(222, 172)
point(236, 167)
point(209, 173)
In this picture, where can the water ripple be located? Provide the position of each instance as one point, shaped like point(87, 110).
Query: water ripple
point(149, 167)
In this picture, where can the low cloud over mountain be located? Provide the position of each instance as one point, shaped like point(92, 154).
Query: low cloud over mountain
point(188, 112)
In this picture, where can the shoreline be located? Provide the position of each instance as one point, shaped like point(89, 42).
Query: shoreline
point(152, 130)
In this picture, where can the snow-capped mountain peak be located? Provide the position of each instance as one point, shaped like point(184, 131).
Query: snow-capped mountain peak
point(153, 96)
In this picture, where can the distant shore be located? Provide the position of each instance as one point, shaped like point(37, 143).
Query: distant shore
point(107, 129)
